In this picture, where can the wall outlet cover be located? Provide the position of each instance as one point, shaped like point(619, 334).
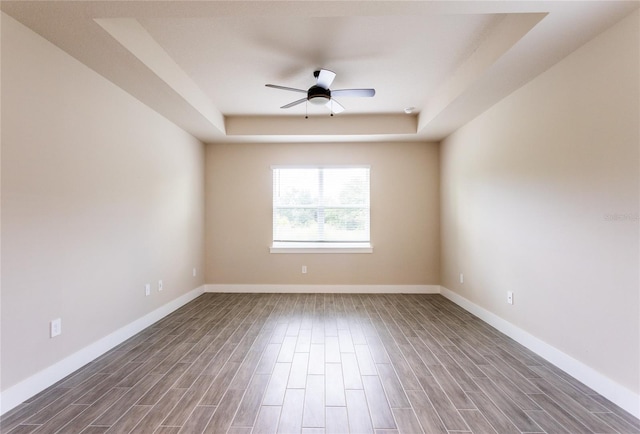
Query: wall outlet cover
point(55, 327)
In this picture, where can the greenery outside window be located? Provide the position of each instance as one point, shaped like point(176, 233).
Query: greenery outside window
point(321, 209)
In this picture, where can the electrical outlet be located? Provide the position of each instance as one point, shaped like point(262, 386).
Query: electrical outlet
point(194, 272)
point(147, 289)
point(304, 269)
point(461, 278)
point(509, 297)
point(55, 327)
point(159, 285)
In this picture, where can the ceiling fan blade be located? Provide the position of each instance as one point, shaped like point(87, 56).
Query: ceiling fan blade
point(335, 106)
point(325, 78)
point(293, 89)
point(354, 92)
point(291, 104)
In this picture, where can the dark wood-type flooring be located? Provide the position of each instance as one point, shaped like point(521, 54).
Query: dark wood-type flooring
point(319, 363)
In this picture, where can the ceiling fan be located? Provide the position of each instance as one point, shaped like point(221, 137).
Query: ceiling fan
point(320, 93)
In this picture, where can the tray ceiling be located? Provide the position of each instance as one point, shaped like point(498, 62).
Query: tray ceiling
point(204, 64)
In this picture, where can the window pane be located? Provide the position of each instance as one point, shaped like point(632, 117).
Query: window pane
point(346, 186)
point(321, 204)
point(346, 224)
point(295, 224)
point(296, 187)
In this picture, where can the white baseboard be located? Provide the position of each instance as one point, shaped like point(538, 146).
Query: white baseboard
point(614, 392)
point(17, 394)
point(326, 289)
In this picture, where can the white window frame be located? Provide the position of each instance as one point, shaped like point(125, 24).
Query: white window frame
point(321, 247)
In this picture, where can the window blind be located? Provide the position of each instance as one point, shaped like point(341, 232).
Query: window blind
point(321, 204)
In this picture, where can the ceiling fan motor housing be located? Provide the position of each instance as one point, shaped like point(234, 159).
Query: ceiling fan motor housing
point(318, 95)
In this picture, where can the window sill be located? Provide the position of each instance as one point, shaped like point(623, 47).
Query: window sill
point(321, 248)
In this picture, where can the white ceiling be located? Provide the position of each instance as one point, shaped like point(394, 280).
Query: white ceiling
point(203, 64)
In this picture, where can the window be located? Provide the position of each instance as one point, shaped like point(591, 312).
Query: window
point(321, 209)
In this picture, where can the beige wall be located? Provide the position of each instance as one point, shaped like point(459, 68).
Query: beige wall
point(404, 215)
point(540, 197)
point(100, 195)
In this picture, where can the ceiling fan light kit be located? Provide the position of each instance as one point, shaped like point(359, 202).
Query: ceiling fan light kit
point(320, 94)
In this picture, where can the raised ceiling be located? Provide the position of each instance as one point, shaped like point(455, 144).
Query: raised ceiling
point(204, 64)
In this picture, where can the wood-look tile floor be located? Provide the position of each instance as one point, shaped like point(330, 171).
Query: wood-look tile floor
point(319, 363)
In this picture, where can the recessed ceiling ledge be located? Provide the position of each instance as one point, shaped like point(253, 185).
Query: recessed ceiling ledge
point(135, 38)
point(511, 29)
point(321, 125)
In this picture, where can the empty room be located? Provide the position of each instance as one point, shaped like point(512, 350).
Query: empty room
point(320, 217)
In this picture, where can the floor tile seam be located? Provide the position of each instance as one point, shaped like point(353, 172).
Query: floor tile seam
point(16, 416)
point(457, 384)
point(555, 379)
point(157, 403)
point(61, 399)
point(484, 417)
point(619, 420)
point(195, 404)
point(487, 371)
point(453, 406)
point(230, 335)
point(388, 318)
point(505, 396)
point(403, 358)
point(36, 426)
point(217, 408)
point(88, 408)
point(514, 372)
point(573, 414)
point(506, 347)
point(234, 375)
point(496, 407)
point(256, 320)
point(121, 397)
point(386, 398)
point(125, 413)
point(564, 413)
point(551, 417)
point(384, 388)
point(433, 408)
